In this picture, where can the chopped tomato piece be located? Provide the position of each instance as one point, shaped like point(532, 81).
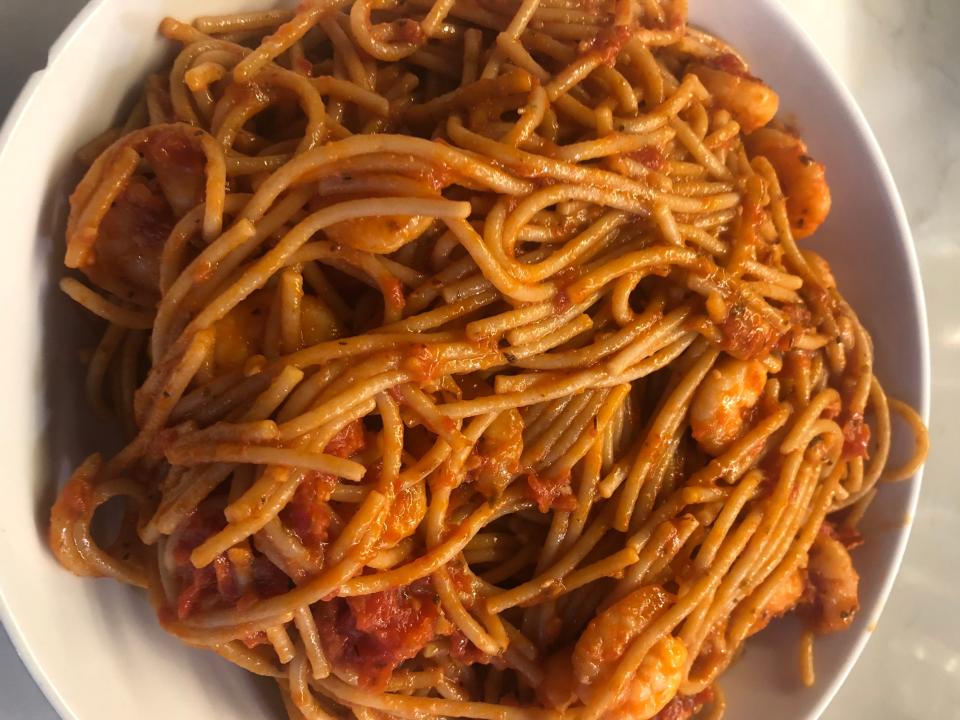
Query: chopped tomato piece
point(684, 707)
point(551, 492)
point(218, 582)
point(856, 437)
point(372, 634)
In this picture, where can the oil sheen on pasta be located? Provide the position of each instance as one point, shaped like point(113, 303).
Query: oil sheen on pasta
point(468, 360)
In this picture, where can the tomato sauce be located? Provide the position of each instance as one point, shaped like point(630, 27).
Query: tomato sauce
point(746, 336)
point(609, 42)
point(561, 300)
point(308, 513)
point(551, 493)
point(465, 652)
point(423, 363)
point(372, 634)
point(684, 707)
point(856, 437)
point(178, 163)
point(409, 31)
point(218, 583)
point(650, 157)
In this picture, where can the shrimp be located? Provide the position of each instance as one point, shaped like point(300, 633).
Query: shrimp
point(133, 232)
point(497, 458)
point(834, 584)
point(803, 179)
point(610, 633)
point(381, 235)
point(240, 330)
point(722, 403)
point(558, 688)
point(318, 322)
point(751, 102)
point(606, 639)
point(785, 597)
point(655, 683)
point(405, 515)
point(131, 238)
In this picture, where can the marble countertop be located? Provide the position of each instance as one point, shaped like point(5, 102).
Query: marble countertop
point(901, 60)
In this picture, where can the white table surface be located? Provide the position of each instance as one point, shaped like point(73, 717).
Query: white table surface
point(902, 62)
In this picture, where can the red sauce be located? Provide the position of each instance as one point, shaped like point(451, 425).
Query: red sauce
point(423, 362)
point(464, 582)
point(464, 651)
point(372, 634)
point(561, 300)
point(684, 707)
point(308, 512)
point(76, 498)
point(728, 63)
point(800, 319)
point(195, 583)
point(254, 639)
point(436, 178)
point(394, 294)
point(856, 437)
point(849, 536)
point(217, 584)
point(609, 42)
point(303, 66)
point(746, 335)
point(650, 157)
point(770, 466)
point(348, 442)
point(551, 492)
point(409, 31)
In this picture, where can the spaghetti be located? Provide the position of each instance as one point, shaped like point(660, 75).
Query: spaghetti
point(469, 363)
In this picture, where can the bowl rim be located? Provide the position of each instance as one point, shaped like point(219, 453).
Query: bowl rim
point(847, 103)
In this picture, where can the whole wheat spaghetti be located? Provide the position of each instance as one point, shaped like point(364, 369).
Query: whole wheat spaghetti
point(469, 361)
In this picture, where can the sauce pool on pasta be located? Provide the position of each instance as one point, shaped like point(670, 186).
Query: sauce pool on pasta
point(468, 360)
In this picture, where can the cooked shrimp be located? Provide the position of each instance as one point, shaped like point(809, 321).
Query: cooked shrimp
point(405, 515)
point(178, 163)
point(834, 583)
point(803, 179)
point(131, 237)
point(607, 638)
point(785, 597)
point(751, 102)
point(558, 689)
point(380, 235)
point(318, 321)
point(722, 403)
point(497, 458)
point(239, 331)
point(609, 634)
point(655, 683)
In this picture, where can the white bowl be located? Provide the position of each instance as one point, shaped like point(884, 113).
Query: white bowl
point(93, 646)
